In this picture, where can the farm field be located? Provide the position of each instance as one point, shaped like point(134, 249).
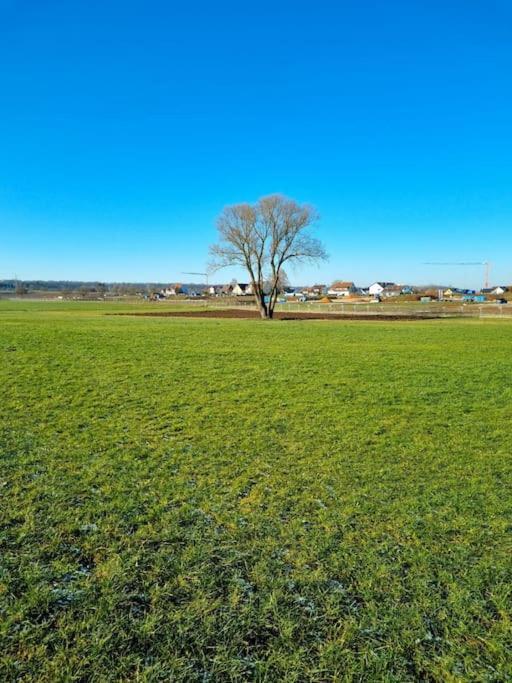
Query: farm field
point(202, 500)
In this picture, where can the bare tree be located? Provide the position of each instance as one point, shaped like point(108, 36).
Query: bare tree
point(263, 238)
point(21, 289)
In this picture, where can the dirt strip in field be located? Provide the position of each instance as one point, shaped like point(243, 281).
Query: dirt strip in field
point(239, 313)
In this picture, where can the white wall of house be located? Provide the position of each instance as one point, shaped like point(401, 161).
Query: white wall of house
point(375, 289)
point(239, 291)
point(339, 292)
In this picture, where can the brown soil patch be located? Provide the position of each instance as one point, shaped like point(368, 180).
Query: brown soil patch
point(238, 313)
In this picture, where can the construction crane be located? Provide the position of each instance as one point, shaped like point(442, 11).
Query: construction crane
point(486, 264)
point(206, 275)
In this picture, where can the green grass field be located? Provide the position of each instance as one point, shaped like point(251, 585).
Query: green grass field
point(202, 500)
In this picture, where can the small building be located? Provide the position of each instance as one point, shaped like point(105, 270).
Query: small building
point(191, 290)
point(377, 288)
point(170, 290)
point(241, 289)
point(314, 291)
point(495, 291)
point(341, 288)
point(215, 290)
point(392, 290)
point(291, 292)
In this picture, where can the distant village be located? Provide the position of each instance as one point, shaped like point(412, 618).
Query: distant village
point(340, 290)
point(344, 290)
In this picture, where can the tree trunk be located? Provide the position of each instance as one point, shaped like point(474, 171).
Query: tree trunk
point(270, 310)
point(272, 304)
point(264, 311)
point(262, 305)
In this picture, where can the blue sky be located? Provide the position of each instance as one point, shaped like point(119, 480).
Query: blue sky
point(125, 127)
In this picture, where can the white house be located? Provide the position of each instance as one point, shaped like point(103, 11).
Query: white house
point(499, 290)
point(169, 291)
point(241, 289)
point(216, 290)
point(377, 288)
point(291, 292)
point(392, 290)
point(314, 291)
point(340, 288)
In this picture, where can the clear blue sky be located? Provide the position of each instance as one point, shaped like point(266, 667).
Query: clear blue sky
point(125, 127)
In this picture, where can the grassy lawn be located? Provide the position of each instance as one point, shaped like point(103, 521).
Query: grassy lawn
point(224, 500)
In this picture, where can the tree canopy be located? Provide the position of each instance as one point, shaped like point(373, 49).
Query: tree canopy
point(263, 238)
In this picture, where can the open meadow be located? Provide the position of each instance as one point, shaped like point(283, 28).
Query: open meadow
point(235, 500)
